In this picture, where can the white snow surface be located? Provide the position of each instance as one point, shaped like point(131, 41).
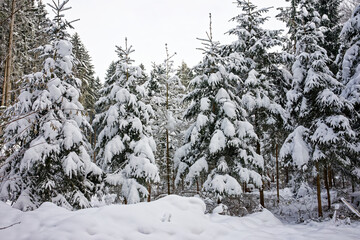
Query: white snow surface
point(171, 217)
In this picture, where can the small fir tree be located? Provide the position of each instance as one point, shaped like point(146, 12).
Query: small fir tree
point(125, 146)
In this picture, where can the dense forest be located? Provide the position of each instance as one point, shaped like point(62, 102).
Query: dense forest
point(270, 120)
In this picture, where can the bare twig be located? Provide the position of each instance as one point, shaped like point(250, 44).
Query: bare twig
point(2, 228)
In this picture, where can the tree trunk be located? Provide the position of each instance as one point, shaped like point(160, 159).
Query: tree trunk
point(6, 97)
point(168, 161)
point(149, 190)
point(330, 177)
point(326, 182)
point(94, 143)
point(167, 130)
point(262, 200)
point(173, 178)
point(287, 175)
point(197, 185)
point(261, 189)
point(318, 190)
point(277, 174)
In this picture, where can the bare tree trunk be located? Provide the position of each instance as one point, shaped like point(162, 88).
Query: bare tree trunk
point(167, 131)
point(168, 162)
point(94, 143)
point(277, 174)
point(149, 190)
point(320, 213)
point(262, 200)
point(167, 143)
point(330, 177)
point(6, 94)
point(261, 189)
point(173, 178)
point(286, 175)
point(327, 186)
point(197, 185)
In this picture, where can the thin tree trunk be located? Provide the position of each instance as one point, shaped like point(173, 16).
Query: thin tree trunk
point(330, 177)
point(167, 131)
point(6, 97)
point(318, 190)
point(287, 175)
point(94, 143)
point(262, 200)
point(173, 178)
point(327, 186)
point(168, 161)
point(277, 175)
point(149, 190)
point(261, 189)
point(197, 185)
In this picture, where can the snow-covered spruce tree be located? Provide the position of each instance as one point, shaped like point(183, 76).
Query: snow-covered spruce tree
point(348, 61)
point(287, 15)
point(125, 146)
point(85, 71)
point(258, 92)
point(330, 18)
point(320, 134)
point(49, 159)
point(156, 97)
point(165, 92)
point(184, 73)
point(90, 86)
point(218, 144)
point(103, 90)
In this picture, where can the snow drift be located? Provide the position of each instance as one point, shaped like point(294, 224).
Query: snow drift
point(171, 217)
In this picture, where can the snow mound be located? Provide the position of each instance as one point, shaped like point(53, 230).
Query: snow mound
point(171, 217)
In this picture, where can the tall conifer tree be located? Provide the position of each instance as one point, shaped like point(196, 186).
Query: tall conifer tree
point(259, 92)
point(218, 144)
point(49, 158)
point(320, 131)
point(348, 61)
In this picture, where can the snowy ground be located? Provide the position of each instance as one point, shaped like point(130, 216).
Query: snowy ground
point(172, 217)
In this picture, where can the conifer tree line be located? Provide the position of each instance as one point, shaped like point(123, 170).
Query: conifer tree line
point(246, 115)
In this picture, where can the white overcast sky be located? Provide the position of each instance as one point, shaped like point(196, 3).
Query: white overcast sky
point(149, 24)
